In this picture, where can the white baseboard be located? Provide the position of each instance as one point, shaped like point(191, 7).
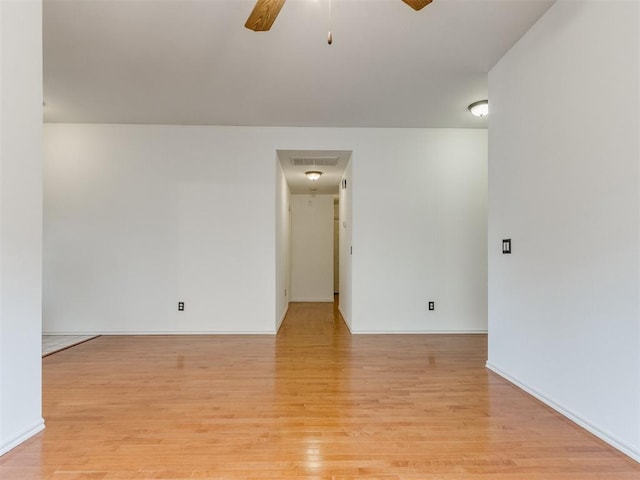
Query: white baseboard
point(419, 332)
point(263, 332)
point(344, 319)
point(72, 334)
point(571, 415)
point(286, 310)
point(169, 332)
point(408, 332)
point(22, 437)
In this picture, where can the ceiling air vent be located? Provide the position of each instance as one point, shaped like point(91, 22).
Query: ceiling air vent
point(314, 161)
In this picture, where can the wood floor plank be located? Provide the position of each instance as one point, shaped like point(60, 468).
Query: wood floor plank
point(312, 402)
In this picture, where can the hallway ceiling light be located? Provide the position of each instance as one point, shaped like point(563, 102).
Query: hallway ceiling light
point(480, 109)
point(313, 175)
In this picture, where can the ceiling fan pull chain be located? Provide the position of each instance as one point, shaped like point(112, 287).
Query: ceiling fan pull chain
point(329, 36)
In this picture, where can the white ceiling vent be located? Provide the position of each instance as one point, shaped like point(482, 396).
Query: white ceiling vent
point(314, 161)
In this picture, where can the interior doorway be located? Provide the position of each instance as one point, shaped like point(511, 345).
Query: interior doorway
point(309, 234)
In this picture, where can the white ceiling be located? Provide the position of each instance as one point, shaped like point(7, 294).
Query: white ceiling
point(329, 181)
point(193, 62)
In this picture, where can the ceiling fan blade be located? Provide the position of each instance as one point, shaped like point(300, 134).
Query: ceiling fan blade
point(263, 15)
point(417, 4)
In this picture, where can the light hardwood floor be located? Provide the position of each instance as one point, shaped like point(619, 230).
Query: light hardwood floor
point(312, 402)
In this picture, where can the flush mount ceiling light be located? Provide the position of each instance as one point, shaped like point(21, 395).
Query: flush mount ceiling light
point(313, 175)
point(480, 109)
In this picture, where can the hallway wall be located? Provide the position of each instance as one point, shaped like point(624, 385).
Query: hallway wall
point(345, 215)
point(283, 245)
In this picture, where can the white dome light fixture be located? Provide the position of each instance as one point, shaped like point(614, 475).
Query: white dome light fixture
point(480, 109)
point(313, 175)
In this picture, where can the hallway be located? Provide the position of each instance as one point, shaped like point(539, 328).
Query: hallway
point(311, 402)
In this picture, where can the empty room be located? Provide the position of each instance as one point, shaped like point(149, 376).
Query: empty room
point(328, 239)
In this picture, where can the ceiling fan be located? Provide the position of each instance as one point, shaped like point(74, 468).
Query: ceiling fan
point(265, 12)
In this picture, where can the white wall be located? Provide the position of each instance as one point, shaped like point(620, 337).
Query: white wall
point(345, 205)
point(419, 231)
point(138, 217)
point(283, 197)
point(564, 186)
point(311, 248)
point(20, 221)
point(336, 246)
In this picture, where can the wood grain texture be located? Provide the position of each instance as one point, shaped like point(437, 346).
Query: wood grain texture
point(417, 4)
point(263, 15)
point(312, 402)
